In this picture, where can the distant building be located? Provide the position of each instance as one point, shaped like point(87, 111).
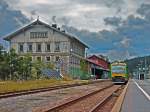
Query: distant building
point(49, 44)
point(99, 65)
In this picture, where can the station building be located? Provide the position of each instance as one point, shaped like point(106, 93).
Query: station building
point(99, 66)
point(48, 43)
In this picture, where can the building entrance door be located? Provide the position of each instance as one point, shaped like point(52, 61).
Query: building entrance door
point(141, 76)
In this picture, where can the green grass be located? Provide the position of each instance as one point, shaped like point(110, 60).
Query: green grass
point(12, 86)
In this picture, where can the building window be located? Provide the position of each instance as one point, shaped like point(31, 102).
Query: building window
point(48, 48)
point(57, 46)
point(65, 46)
point(57, 58)
point(48, 58)
point(39, 58)
point(38, 48)
point(21, 48)
point(38, 34)
point(29, 47)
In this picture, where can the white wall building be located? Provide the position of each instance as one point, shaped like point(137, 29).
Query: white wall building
point(49, 44)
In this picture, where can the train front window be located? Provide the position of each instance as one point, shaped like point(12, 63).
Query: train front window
point(118, 69)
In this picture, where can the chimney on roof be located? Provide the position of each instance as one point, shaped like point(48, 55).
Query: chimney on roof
point(38, 18)
point(54, 25)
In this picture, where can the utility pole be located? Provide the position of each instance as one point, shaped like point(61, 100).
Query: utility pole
point(137, 71)
point(140, 69)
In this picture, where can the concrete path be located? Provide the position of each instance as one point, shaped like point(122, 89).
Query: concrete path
point(137, 97)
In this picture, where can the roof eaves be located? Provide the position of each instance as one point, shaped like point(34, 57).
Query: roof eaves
point(81, 42)
point(10, 35)
point(66, 34)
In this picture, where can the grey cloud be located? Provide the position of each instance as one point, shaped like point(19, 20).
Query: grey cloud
point(64, 20)
point(78, 12)
point(54, 19)
point(114, 3)
point(10, 17)
point(33, 12)
point(99, 42)
point(121, 55)
point(129, 37)
point(136, 29)
point(49, 9)
point(108, 3)
point(127, 40)
point(3, 5)
point(135, 21)
point(92, 39)
point(123, 44)
point(104, 42)
point(144, 10)
point(114, 21)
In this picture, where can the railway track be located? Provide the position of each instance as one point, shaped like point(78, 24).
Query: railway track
point(108, 102)
point(26, 92)
point(90, 102)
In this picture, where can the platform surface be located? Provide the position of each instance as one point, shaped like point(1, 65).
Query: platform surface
point(135, 99)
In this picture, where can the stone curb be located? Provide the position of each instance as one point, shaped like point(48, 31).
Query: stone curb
point(119, 102)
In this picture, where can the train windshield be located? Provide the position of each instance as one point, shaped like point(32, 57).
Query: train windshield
point(119, 69)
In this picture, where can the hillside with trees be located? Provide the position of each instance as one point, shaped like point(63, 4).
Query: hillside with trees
point(134, 63)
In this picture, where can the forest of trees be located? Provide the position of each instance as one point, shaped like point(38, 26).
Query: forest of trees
point(14, 67)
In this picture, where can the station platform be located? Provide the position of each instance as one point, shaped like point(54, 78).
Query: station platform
point(137, 98)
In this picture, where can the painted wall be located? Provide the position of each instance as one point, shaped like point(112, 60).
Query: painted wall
point(104, 64)
point(71, 59)
point(53, 37)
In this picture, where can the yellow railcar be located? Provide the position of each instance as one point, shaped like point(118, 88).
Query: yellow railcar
point(119, 72)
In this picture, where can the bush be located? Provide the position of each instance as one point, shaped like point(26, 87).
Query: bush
point(84, 76)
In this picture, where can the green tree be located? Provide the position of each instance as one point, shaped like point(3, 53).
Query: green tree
point(84, 69)
point(38, 66)
point(14, 67)
point(4, 66)
point(13, 63)
point(83, 65)
point(24, 67)
point(50, 65)
point(1, 53)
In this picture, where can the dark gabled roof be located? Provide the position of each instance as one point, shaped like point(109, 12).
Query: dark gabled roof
point(8, 37)
point(93, 62)
point(99, 57)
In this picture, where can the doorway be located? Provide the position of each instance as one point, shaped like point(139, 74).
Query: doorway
point(98, 73)
point(141, 76)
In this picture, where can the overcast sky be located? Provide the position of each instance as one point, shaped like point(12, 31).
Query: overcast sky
point(116, 28)
point(83, 14)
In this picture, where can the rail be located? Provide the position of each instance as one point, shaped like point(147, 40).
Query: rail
point(73, 101)
point(26, 92)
